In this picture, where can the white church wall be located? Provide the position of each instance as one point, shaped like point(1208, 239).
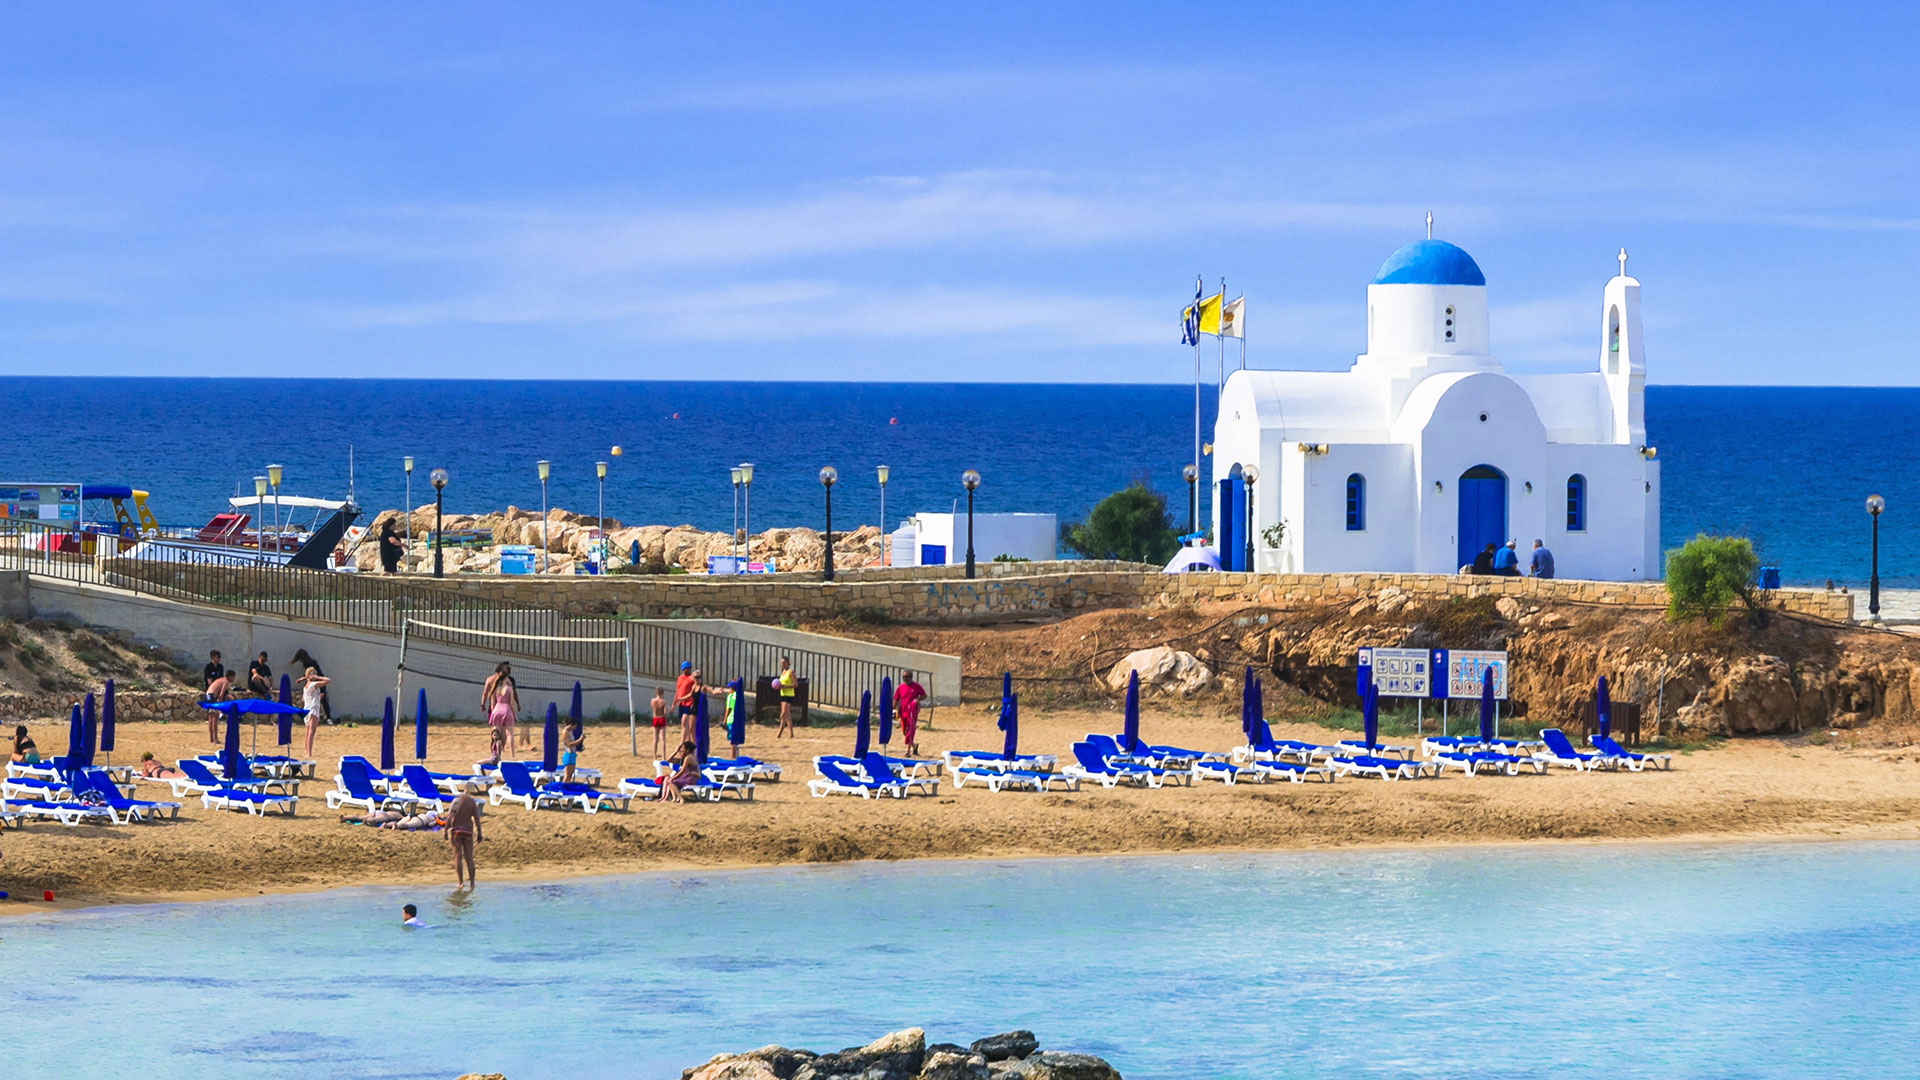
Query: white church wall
point(1412, 321)
point(1613, 545)
point(1455, 438)
point(1386, 541)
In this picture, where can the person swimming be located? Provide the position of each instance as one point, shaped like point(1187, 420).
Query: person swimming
point(410, 916)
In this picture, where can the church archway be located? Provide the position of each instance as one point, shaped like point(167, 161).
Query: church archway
point(1483, 511)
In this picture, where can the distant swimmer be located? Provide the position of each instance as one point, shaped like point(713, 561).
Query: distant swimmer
point(410, 916)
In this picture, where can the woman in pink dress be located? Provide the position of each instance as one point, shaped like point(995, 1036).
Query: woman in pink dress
point(906, 705)
point(501, 700)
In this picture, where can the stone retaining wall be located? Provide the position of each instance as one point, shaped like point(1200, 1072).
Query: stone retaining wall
point(128, 707)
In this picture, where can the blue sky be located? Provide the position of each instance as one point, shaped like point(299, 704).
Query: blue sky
point(983, 192)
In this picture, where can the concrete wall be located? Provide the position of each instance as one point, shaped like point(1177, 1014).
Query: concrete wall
point(360, 663)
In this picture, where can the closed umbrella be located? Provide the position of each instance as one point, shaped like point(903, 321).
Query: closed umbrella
point(1006, 687)
point(284, 737)
point(1246, 706)
point(106, 722)
point(1130, 726)
point(1370, 716)
point(574, 708)
point(1603, 709)
point(230, 754)
point(420, 727)
point(89, 728)
point(386, 737)
point(550, 739)
point(1259, 707)
point(700, 735)
point(1486, 704)
point(863, 727)
point(886, 711)
point(1010, 723)
point(76, 737)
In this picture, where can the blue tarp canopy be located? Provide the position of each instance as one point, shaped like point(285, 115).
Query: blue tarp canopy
point(105, 491)
point(253, 705)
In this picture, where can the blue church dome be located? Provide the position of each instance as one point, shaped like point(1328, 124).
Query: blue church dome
point(1430, 262)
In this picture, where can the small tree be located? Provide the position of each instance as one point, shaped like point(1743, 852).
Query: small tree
point(1707, 574)
point(1131, 524)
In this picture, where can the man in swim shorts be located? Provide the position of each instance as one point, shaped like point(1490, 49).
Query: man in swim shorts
point(684, 689)
point(463, 831)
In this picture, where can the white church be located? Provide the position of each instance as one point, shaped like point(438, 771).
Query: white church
point(1425, 450)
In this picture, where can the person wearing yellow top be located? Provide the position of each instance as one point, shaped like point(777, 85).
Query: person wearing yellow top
point(787, 684)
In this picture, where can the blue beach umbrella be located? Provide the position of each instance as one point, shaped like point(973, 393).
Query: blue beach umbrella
point(633, 553)
point(862, 728)
point(284, 735)
point(1486, 704)
point(700, 735)
point(386, 737)
point(1130, 726)
point(230, 753)
point(1006, 687)
point(76, 737)
point(1259, 705)
point(1246, 706)
point(575, 710)
point(1603, 709)
point(89, 729)
point(1370, 716)
point(886, 710)
point(737, 722)
point(286, 690)
point(420, 726)
point(1010, 723)
point(550, 739)
point(106, 722)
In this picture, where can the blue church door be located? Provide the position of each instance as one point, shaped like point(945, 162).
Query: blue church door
point(1230, 543)
point(1483, 511)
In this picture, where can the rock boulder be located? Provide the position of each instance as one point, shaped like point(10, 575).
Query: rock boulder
point(1164, 667)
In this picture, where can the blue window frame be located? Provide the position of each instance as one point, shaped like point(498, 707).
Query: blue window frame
point(1356, 503)
point(1576, 503)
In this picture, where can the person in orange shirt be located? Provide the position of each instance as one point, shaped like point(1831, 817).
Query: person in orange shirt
point(685, 689)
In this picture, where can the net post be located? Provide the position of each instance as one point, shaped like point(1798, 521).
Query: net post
point(400, 669)
point(633, 727)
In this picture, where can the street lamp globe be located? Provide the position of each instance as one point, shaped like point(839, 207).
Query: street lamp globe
point(1189, 473)
point(260, 486)
point(600, 469)
point(1250, 473)
point(1875, 504)
point(969, 479)
point(274, 474)
point(545, 470)
point(407, 464)
point(828, 474)
point(884, 473)
point(439, 478)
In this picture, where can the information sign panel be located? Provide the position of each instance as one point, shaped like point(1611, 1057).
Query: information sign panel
point(1402, 672)
point(1466, 668)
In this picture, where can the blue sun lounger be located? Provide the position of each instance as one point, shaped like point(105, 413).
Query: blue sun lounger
point(1475, 762)
point(52, 789)
point(833, 780)
point(1091, 766)
point(355, 787)
point(878, 766)
point(1225, 772)
point(420, 784)
point(1002, 779)
point(1167, 757)
point(66, 813)
point(1560, 751)
point(1384, 768)
point(993, 759)
point(1358, 748)
point(1633, 761)
point(1296, 771)
point(746, 767)
point(517, 785)
point(123, 809)
point(256, 803)
point(197, 779)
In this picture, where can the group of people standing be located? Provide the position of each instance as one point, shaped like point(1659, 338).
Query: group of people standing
point(218, 684)
point(1505, 561)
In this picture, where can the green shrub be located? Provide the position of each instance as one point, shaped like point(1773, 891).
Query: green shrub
point(1707, 574)
point(1131, 524)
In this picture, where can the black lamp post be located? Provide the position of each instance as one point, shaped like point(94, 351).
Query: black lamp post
point(1249, 474)
point(827, 476)
point(1191, 473)
point(1875, 504)
point(969, 480)
point(439, 478)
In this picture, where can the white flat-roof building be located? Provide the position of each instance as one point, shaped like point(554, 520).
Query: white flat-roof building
point(1425, 450)
point(941, 539)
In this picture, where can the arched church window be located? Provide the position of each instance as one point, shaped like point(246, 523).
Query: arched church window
point(1356, 503)
point(1576, 503)
point(1613, 341)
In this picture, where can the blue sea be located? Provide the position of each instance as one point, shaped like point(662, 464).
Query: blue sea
point(1787, 466)
point(1650, 961)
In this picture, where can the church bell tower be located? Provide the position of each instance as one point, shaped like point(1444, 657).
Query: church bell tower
point(1623, 359)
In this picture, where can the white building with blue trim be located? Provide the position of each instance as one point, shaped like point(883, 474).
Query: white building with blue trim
point(1425, 450)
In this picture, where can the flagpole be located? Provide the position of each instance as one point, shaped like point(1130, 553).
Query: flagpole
point(1221, 339)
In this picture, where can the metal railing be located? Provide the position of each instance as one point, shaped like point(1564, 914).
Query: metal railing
point(383, 604)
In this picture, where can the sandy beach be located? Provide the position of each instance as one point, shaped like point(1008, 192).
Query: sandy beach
point(1744, 789)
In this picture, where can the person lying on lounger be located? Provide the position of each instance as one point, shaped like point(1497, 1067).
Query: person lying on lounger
point(153, 770)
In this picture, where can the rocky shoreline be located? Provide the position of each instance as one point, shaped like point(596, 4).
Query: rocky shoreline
point(567, 538)
point(902, 1055)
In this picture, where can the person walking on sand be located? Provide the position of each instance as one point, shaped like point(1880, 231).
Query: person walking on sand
point(500, 701)
point(313, 690)
point(659, 723)
point(463, 831)
point(906, 705)
point(788, 685)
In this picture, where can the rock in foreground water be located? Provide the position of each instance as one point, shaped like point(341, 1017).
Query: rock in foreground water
point(905, 1055)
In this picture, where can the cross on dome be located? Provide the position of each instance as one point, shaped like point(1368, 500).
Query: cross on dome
point(1623, 262)
point(1429, 224)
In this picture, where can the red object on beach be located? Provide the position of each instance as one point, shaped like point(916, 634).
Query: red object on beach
point(48, 894)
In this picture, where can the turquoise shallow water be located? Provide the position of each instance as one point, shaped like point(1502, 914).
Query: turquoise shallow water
point(1738, 961)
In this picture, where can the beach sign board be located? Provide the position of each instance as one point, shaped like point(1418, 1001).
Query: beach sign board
point(1402, 672)
point(1466, 668)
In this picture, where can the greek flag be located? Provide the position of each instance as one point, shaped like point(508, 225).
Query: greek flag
point(1190, 322)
